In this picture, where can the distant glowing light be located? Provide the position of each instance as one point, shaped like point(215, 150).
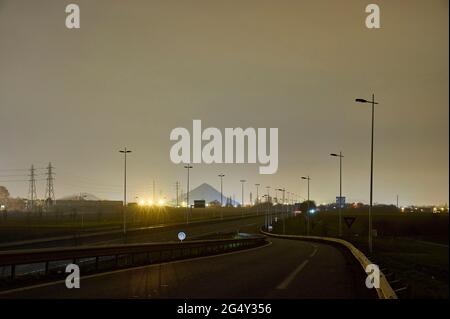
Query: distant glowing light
point(183, 204)
point(149, 202)
point(141, 202)
point(312, 211)
point(161, 202)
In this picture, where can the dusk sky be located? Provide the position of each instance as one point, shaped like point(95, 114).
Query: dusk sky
point(135, 70)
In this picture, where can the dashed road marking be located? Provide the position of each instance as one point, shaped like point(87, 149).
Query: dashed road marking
point(285, 283)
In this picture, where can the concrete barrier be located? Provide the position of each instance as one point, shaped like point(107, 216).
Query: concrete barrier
point(384, 292)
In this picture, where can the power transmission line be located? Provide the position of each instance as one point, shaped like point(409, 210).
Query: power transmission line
point(49, 191)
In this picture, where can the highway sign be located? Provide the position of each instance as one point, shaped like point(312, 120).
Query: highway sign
point(340, 201)
point(199, 203)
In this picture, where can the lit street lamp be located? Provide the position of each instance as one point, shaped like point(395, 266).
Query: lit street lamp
point(125, 152)
point(371, 167)
point(340, 190)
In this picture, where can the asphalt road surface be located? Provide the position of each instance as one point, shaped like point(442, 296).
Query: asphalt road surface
point(283, 269)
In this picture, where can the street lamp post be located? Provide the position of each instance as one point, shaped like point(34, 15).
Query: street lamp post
point(371, 166)
point(307, 210)
point(125, 152)
point(283, 190)
point(268, 207)
point(340, 190)
point(188, 167)
point(242, 189)
point(221, 194)
point(257, 199)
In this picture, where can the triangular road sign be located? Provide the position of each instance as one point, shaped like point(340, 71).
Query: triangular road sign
point(349, 221)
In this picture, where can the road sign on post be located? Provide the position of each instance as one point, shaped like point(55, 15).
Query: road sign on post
point(181, 236)
point(340, 201)
point(349, 221)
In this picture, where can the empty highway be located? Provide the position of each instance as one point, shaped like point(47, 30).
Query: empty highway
point(282, 269)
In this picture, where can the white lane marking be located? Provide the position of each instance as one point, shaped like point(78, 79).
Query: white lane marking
point(5, 292)
point(314, 252)
point(292, 275)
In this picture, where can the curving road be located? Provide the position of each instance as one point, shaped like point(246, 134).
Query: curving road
point(283, 269)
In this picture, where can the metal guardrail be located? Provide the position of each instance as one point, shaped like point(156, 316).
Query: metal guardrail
point(133, 253)
point(384, 292)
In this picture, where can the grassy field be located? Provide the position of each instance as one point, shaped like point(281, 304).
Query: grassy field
point(414, 246)
point(19, 226)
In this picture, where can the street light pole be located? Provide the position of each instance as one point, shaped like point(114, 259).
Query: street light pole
point(125, 152)
point(268, 207)
point(221, 195)
point(283, 203)
point(188, 167)
point(340, 190)
point(242, 188)
point(307, 210)
point(371, 166)
point(257, 199)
